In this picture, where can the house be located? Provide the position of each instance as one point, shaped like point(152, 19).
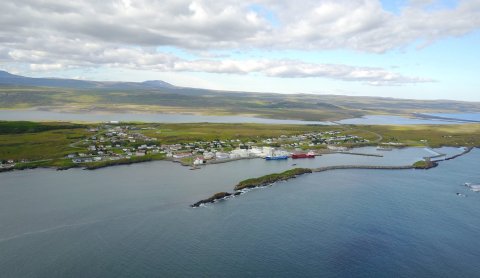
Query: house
point(199, 161)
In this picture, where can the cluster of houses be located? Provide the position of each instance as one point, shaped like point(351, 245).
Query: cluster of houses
point(314, 139)
point(113, 142)
point(202, 152)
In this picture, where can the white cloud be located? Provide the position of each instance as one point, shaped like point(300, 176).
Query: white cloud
point(200, 24)
point(45, 67)
point(50, 34)
point(88, 55)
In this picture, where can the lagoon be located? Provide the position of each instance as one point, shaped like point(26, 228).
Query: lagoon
point(40, 115)
point(43, 115)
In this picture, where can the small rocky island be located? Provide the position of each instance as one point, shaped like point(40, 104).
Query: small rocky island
point(215, 197)
point(255, 182)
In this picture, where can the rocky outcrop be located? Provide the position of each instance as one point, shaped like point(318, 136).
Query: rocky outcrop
point(215, 197)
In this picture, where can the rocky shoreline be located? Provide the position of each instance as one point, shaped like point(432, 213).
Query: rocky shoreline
point(213, 199)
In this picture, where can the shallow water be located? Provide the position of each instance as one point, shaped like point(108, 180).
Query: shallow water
point(134, 221)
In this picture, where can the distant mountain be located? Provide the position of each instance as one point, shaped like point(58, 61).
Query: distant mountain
point(7, 78)
point(5, 74)
point(157, 84)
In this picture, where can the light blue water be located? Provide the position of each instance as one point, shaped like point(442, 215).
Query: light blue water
point(460, 116)
point(134, 221)
point(393, 120)
point(38, 115)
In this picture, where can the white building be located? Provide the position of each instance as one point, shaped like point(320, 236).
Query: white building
point(199, 161)
point(220, 155)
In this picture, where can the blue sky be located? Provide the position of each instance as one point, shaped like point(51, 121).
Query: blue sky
point(422, 49)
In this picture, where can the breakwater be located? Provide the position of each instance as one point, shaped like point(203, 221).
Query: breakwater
point(365, 167)
point(467, 150)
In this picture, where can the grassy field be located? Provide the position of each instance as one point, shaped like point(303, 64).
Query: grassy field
point(467, 135)
point(174, 133)
point(38, 141)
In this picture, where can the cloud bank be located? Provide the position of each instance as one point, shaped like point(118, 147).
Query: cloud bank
point(51, 35)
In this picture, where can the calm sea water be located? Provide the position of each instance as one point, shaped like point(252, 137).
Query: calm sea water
point(134, 221)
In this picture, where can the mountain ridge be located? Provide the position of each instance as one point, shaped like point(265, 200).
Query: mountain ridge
point(7, 78)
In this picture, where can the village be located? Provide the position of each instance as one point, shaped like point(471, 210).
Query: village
point(117, 141)
point(114, 142)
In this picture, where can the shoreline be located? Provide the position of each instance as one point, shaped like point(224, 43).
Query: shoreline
point(210, 162)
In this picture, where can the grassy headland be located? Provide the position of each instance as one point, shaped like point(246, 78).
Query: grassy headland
point(269, 179)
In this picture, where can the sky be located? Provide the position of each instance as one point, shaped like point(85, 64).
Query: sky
point(422, 49)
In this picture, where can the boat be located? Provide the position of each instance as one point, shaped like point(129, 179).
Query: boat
point(276, 157)
point(303, 155)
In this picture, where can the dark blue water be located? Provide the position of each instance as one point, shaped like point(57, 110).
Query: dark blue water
point(134, 221)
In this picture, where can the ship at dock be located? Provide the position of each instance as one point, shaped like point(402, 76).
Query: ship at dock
point(303, 155)
point(276, 157)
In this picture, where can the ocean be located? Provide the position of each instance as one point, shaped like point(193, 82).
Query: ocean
point(135, 220)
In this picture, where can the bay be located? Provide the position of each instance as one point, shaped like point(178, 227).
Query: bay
point(135, 221)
